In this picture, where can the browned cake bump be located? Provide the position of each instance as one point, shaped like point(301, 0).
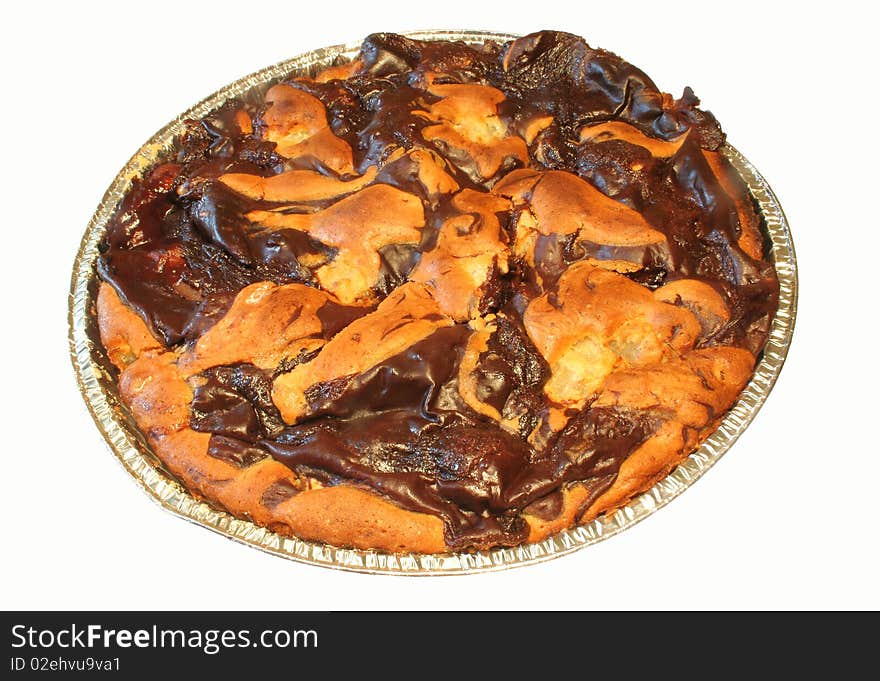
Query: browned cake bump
point(440, 297)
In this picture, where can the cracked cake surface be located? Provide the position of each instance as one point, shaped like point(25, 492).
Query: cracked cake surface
point(439, 297)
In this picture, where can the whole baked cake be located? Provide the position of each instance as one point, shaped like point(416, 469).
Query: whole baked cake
point(441, 297)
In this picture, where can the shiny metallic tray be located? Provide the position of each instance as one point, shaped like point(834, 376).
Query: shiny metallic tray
point(99, 390)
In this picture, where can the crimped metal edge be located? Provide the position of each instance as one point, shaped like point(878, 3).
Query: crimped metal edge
point(97, 384)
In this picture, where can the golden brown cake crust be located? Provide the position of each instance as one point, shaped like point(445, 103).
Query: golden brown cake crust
point(123, 332)
point(270, 494)
point(266, 491)
point(423, 302)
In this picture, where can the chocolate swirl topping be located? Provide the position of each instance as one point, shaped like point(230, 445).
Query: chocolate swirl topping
point(533, 223)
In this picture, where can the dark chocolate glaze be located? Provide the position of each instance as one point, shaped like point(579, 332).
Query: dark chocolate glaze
point(402, 429)
point(180, 248)
point(511, 374)
point(235, 401)
point(180, 261)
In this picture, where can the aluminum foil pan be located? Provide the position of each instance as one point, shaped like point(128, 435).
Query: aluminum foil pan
point(99, 390)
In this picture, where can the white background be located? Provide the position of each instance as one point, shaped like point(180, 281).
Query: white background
point(788, 519)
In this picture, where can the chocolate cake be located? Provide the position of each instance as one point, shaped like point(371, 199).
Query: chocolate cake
point(441, 297)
